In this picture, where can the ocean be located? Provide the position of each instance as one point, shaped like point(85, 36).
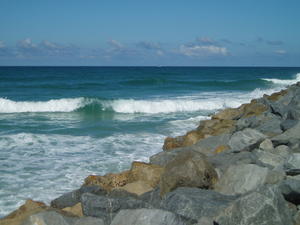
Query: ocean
point(60, 124)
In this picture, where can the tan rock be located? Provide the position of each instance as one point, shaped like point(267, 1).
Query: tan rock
point(227, 114)
point(137, 187)
point(253, 108)
point(171, 143)
point(221, 148)
point(18, 216)
point(277, 95)
point(108, 181)
point(146, 172)
point(76, 210)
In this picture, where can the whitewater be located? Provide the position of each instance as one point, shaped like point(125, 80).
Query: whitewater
point(61, 124)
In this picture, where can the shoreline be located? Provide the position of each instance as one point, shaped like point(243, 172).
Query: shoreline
point(258, 140)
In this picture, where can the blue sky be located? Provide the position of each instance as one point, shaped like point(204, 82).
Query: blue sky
point(150, 33)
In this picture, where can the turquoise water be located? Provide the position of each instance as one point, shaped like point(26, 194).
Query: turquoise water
point(60, 124)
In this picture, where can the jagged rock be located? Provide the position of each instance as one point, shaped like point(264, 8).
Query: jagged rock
point(107, 207)
point(239, 179)
point(140, 171)
point(206, 146)
point(188, 169)
point(228, 114)
point(246, 139)
point(75, 210)
point(287, 124)
point(221, 148)
point(146, 172)
point(138, 187)
point(54, 218)
point(293, 161)
point(266, 145)
point(254, 108)
point(147, 217)
point(288, 136)
point(225, 159)
point(290, 189)
point(72, 198)
point(23, 212)
point(268, 158)
point(282, 150)
point(152, 197)
point(262, 206)
point(195, 203)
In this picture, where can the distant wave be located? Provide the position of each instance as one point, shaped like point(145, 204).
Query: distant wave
point(284, 82)
point(209, 101)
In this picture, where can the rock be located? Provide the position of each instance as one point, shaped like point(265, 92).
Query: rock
point(293, 161)
point(146, 172)
point(206, 146)
point(18, 216)
point(221, 148)
point(108, 181)
point(195, 203)
point(282, 150)
point(287, 124)
point(288, 136)
point(138, 187)
point(140, 171)
point(107, 207)
point(254, 108)
point(228, 114)
point(152, 197)
point(222, 161)
point(271, 160)
point(246, 139)
point(147, 217)
point(239, 179)
point(54, 218)
point(262, 206)
point(76, 210)
point(266, 145)
point(72, 198)
point(290, 189)
point(188, 169)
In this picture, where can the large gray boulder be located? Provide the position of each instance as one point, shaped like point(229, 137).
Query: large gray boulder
point(246, 139)
point(55, 218)
point(271, 159)
point(152, 197)
point(147, 217)
point(239, 179)
point(106, 208)
point(188, 169)
point(71, 198)
point(289, 136)
point(195, 203)
point(262, 206)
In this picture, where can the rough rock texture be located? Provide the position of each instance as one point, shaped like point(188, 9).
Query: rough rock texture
point(293, 161)
point(76, 210)
point(107, 207)
point(54, 218)
point(138, 187)
point(188, 169)
point(140, 171)
point(290, 189)
point(147, 217)
point(195, 203)
point(243, 140)
point(262, 206)
point(287, 137)
point(71, 198)
point(18, 216)
point(239, 179)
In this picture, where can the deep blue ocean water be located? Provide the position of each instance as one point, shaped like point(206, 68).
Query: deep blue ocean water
point(60, 124)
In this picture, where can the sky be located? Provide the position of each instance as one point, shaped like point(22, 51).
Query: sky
point(150, 33)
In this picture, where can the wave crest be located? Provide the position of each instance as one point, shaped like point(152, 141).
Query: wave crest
point(284, 82)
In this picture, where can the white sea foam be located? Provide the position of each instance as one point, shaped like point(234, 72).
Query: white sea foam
point(57, 105)
point(42, 167)
point(284, 82)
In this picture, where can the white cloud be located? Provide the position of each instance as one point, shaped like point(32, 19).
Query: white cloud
point(26, 44)
point(202, 50)
point(280, 52)
point(115, 44)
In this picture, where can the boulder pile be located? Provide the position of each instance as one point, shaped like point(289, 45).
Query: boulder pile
point(241, 167)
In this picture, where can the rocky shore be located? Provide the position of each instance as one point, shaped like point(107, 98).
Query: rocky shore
point(241, 167)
